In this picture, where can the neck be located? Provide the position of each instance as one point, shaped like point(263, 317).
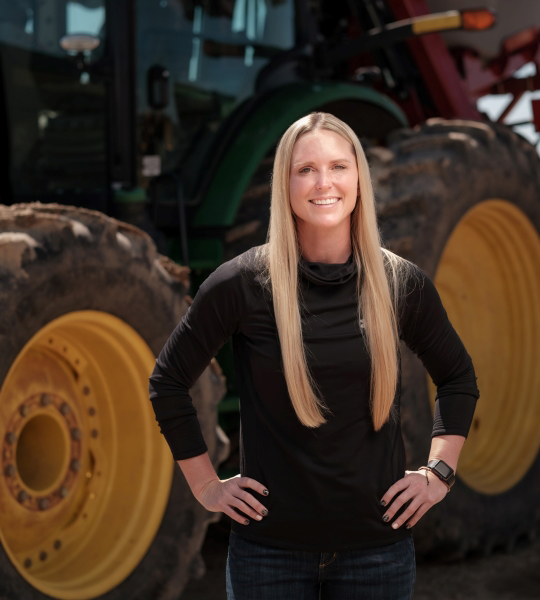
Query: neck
point(327, 246)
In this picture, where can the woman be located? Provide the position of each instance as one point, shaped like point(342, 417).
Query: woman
point(323, 506)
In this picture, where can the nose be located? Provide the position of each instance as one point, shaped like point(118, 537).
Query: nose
point(323, 180)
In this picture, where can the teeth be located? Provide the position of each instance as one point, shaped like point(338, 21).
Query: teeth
point(326, 201)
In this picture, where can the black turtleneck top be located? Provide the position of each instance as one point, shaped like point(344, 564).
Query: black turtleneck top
point(325, 483)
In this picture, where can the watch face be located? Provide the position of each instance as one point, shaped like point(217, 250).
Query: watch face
point(443, 469)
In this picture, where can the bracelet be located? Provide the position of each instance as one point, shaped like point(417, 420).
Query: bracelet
point(428, 469)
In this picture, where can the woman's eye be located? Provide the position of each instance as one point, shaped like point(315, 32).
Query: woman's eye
point(305, 169)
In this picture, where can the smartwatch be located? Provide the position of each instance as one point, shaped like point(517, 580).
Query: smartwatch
point(443, 471)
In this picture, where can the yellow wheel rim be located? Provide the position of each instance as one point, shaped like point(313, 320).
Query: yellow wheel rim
point(86, 472)
point(489, 281)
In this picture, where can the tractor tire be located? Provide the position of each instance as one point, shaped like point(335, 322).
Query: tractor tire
point(461, 199)
point(92, 505)
point(253, 216)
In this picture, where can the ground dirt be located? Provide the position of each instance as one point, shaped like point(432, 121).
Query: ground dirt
point(501, 576)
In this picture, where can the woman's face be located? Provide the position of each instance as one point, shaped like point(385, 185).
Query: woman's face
point(323, 167)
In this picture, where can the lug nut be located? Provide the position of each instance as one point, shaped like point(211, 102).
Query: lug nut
point(63, 491)
point(45, 400)
point(76, 433)
point(9, 471)
point(22, 496)
point(11, 438)
point(23, 410)
point(64, 409)
point(44, 503)
point(75, 465)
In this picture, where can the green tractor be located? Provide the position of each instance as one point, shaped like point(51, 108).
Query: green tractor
point(138, 145)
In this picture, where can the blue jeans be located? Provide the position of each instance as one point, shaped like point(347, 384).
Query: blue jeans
point(260, 572)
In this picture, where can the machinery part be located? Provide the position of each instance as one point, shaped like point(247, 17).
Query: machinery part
point(511, 17)
point(460, 199)
point(92, 504)
point(253, 215)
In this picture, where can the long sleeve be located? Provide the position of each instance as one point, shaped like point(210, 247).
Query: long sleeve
point(213, 316)
point(427, 331)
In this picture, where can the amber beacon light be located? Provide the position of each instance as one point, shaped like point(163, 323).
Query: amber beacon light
point(451, 19)
point(478, 19)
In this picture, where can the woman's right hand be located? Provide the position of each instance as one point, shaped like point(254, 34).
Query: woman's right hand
point(222, 495)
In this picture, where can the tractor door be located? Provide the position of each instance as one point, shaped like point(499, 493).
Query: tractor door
point(53, 116)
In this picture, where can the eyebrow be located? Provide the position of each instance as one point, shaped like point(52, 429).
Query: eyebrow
point(308, 162)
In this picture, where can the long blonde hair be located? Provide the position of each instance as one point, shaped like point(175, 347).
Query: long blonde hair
point(378, 290)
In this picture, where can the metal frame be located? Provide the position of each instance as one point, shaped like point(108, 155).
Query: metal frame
point(122, 52)
point(437, 66)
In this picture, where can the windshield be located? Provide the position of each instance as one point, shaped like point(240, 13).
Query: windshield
point(212, 53)
point(54, 110)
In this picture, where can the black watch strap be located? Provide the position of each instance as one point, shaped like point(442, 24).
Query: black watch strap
point(442, 470)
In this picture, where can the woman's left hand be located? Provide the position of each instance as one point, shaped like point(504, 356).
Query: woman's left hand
point(413, 487)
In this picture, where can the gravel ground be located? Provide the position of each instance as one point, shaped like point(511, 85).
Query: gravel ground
point(501, 576)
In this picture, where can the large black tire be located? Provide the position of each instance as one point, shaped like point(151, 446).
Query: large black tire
point(56, 259)
point(253, 216)
point(425, 180)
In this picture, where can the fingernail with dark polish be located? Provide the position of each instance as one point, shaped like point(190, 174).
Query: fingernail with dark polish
point(408, 526)
point(246, 521)
point(265, 492)
point(264, 512)
point(383, 503)
point(385, 518)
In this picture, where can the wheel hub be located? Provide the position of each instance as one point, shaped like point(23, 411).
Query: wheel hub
point(86, 474)
point(41, 452)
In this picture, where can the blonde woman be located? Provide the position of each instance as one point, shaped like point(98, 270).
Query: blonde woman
point(323, 505)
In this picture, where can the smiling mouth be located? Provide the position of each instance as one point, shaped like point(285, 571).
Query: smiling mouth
point(325, 201)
